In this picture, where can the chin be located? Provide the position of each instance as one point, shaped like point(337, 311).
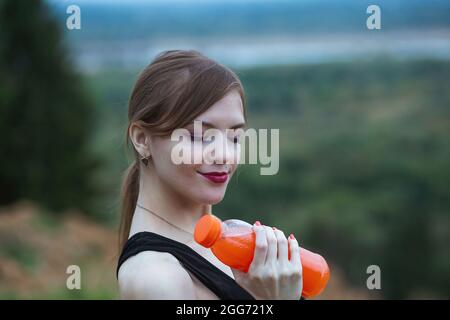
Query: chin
point(211, 197)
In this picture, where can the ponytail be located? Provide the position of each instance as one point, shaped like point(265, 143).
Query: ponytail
point(129, 195)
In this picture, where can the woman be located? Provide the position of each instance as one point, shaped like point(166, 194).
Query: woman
point(162, 201)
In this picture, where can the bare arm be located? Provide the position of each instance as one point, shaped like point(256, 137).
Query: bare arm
point(154, 275)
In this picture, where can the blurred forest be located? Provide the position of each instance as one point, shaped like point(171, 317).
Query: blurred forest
point(363, 179)
point(46, 115)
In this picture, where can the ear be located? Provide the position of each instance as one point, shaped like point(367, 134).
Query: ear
point(140, 138)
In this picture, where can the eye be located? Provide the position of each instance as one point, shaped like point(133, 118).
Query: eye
point(196, 138)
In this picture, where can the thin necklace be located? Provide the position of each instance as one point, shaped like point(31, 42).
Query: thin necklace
point(163, 219)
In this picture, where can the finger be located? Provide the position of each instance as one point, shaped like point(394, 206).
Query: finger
point(259, 257)
point(282, 245)
point(295, 251)
point(272, 245)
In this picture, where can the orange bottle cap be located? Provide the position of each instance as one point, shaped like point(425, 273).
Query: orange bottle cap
point(207, 230)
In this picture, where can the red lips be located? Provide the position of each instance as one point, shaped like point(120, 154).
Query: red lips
point(216, 177)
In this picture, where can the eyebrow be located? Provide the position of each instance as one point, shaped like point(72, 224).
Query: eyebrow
point(210, 125)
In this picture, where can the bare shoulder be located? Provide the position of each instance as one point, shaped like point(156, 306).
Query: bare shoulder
point(154, 275)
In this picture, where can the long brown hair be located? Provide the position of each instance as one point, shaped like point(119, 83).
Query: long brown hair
point(170, 93)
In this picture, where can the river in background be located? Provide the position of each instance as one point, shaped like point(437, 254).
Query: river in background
point(92, 57)
point(246, 33)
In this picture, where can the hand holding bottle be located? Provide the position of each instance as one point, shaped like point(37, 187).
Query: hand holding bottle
point(262, 260)
point(271, 274)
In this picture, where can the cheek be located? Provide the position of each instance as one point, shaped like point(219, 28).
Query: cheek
point(184, 178)
point(170, 168)
point(177, 175)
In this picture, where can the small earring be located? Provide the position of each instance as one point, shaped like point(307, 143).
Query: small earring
point(145, 160)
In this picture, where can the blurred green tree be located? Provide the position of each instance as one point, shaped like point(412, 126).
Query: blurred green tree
point(46, 117)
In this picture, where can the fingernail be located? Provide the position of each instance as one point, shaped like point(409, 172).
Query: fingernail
point(257, 223)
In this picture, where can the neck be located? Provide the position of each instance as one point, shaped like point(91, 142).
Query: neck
point(165, 202)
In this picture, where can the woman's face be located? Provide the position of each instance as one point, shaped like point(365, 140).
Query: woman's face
point(204, 182)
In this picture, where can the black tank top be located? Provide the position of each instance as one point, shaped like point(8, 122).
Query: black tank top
point(225, 287)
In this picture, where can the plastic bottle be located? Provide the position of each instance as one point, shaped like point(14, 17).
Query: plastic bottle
point(233, 242)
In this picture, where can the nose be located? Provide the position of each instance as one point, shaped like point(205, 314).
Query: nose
point(222, 151)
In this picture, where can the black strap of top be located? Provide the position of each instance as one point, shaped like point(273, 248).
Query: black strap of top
point(216, 280)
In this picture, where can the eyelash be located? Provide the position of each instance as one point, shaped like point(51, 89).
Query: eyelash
point(193, 138)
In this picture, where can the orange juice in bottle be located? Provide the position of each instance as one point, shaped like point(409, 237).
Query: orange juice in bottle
point(233, 242)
